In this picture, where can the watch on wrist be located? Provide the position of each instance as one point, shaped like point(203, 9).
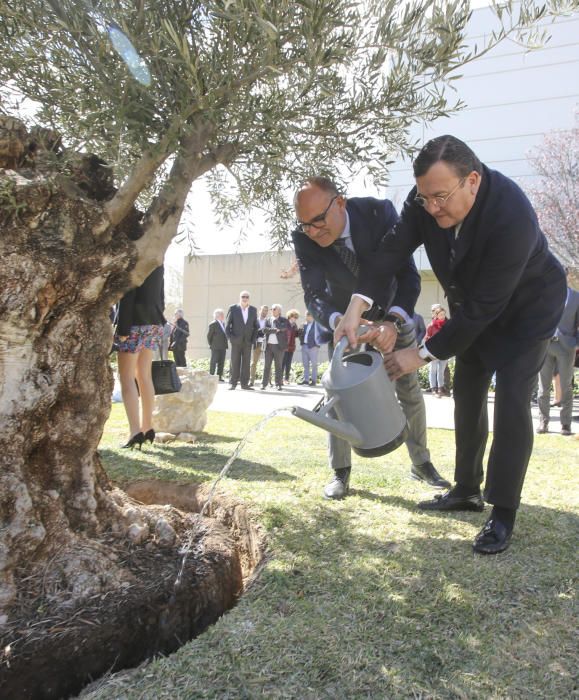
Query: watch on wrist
point(395, 320)
point(423, 353)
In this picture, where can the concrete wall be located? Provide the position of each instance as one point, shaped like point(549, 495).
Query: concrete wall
point(215, 281)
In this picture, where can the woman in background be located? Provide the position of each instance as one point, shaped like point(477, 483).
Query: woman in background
point(437, 367)
point(138, 335)
point(292, 333)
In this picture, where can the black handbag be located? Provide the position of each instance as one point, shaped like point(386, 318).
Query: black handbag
point(165, 377)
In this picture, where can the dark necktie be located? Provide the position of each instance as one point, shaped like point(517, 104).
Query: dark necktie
point(347, 256)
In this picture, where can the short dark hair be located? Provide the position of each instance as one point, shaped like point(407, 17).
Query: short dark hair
point(452, 151)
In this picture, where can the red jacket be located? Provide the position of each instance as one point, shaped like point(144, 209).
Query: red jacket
point(433, 327)
point(292, 332)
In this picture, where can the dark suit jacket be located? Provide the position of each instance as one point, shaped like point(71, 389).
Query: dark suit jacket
point(179, 335)
point(281, 324)
point(216, 337)
point(237, 331)
point(328, 283)
point(504, 286)
point(144, 305)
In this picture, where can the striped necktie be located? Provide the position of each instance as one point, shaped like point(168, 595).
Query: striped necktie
point(347, 256)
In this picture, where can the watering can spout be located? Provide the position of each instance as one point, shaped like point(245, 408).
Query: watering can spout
point(345, 431)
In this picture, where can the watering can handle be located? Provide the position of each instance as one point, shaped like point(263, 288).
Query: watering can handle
point(341, 348)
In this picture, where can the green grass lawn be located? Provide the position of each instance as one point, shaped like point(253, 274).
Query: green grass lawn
point(369, 597)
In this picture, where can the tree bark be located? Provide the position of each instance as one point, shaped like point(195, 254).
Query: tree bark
point(57, 282)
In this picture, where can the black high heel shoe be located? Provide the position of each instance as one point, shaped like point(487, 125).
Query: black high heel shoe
point(136, 441)
point(150, 436)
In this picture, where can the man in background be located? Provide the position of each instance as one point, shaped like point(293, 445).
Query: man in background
point(179, 337)
point(275, 331)
point(241, 328)
point(310, 341)
point(217, 340)
point(560, 356)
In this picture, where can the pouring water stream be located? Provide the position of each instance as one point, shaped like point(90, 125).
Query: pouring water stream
point(187, 547)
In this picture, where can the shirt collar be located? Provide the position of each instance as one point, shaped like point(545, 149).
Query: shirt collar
point(346, 233)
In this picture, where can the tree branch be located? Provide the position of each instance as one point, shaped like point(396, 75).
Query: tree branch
point(164, 214)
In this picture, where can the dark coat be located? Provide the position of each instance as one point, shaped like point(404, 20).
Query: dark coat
point(328, 283)
point(179, 335)
point(279, 326)
point(144, 305)
point(503, 285)
point(237, 331)
point(216, 338)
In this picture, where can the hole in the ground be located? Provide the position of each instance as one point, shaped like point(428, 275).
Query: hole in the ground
point(151, 618)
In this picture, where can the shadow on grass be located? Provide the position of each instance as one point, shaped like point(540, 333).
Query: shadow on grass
point(198, 463)
point(400, 502)
point(414, 615)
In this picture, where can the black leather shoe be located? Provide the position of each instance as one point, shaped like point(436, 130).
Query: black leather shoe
point(495, 537)
point(447, 501)
point(247, 388)
point(339, 486)
point(427, 472)
point(232, 387)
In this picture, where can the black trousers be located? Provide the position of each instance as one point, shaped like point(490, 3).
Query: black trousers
point(273, 353)
point(286, 364)
point(240, 362)
point(216, 362)
point(512, 427)
point(179, 356)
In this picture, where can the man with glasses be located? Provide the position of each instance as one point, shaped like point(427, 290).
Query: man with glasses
point(241, 329)
point(506, 293)
point(332, 233)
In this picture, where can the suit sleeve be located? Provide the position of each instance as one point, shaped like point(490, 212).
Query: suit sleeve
point(210, 334)
point(504, 261)
point(392, 260)
point(316, 297)
point(229, 322)
point(407, 276)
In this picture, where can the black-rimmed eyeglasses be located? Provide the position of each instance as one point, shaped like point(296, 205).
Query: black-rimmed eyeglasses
point(319, 220)
point(439, 200)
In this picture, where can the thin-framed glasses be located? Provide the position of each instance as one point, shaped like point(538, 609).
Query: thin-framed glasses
point(439, 200)
point(319, 220)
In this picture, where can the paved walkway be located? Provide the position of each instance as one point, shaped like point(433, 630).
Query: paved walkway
point(439, 412)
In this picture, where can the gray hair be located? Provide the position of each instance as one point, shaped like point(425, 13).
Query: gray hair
point(276, 306)
point(217, 312)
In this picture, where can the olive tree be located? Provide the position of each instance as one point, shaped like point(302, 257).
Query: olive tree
point(249, 92)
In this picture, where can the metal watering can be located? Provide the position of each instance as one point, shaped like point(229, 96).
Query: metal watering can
point(361, 395)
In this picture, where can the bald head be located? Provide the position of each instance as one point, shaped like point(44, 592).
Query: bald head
point(320, 211)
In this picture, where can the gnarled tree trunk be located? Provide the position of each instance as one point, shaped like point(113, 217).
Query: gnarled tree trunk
point(58, 278)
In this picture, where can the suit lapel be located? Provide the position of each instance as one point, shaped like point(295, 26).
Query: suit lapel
point(467, 232)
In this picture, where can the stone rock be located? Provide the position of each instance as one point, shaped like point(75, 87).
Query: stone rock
point(164, 437)
point(138, 533)
point(186, 411)
point(165, 534)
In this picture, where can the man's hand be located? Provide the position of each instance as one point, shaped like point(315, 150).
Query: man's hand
point(350, 322)
point(382, 337)
point(402, 362)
